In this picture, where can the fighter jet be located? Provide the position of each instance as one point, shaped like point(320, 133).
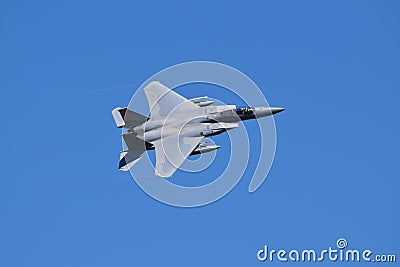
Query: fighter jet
point(176, 127)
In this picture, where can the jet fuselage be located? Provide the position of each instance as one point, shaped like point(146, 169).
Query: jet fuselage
point(215, 120)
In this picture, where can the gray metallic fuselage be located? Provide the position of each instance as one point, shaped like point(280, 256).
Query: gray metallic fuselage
point(209, 121)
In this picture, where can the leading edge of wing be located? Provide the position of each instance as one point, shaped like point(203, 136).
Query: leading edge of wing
point(162, 100)
point(171, 152)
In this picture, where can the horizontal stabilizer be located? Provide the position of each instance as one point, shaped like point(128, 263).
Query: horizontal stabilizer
point(127, 118)
point(129, 157)
point(127, 160)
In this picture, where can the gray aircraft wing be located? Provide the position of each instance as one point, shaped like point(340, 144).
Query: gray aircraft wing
point(163, 100)
point(172, 151)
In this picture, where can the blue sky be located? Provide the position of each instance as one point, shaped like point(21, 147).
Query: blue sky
point(334, 65)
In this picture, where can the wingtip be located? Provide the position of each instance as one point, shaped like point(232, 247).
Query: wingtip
point(162, 175)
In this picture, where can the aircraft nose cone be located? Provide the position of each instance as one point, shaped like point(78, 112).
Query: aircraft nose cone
point(276, 110)
point(266, 111)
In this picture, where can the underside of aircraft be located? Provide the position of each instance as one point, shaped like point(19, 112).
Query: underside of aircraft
point(177, 127)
